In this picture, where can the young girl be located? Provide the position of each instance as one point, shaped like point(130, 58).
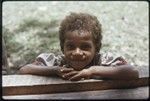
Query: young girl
point(80, 41)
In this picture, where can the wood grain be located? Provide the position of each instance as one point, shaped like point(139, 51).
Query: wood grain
point(134, 93)
point(31, 84)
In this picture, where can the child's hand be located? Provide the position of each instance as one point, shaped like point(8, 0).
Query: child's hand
point(78, 75)
point(63, 70)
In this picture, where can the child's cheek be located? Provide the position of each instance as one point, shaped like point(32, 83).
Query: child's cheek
point(68, 55)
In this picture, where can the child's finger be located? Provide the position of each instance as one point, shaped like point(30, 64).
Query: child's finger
point(76, 77)
point(68, 75)
point(66, 70)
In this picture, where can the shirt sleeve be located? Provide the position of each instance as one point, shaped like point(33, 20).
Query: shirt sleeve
point(45, 59)
point(109, 60)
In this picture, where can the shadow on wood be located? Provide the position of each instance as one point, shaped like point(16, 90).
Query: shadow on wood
point(31, 84)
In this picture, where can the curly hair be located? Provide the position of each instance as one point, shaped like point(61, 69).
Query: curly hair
point(81, 21)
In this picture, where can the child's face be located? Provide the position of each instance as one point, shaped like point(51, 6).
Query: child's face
point(79, 49)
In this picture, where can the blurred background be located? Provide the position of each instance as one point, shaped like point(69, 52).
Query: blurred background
point(31, 28)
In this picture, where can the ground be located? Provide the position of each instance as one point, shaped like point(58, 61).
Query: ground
point(30, 28)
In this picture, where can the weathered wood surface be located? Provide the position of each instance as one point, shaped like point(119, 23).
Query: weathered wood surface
point(29, 84)
point(134, 93)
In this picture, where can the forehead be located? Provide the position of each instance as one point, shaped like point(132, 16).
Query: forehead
point(78, 35)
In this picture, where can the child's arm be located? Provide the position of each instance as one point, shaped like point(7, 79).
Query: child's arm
point(37, 70)
point(119, 72)
point(44, 65)
point(43, 70)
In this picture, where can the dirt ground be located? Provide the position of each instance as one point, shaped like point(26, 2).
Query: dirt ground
point(125, 27)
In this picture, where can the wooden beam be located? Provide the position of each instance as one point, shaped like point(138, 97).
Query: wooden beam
point(137, 93)
point(31, 84)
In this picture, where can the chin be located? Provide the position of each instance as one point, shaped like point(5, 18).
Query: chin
point(77, 66)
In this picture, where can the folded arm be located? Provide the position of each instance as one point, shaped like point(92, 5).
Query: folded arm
point(122, 72)
point(44, 70)
point(117, 72)
point(38, 70)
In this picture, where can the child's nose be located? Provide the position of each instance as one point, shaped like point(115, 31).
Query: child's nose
point(78, 51)
point(77, 55)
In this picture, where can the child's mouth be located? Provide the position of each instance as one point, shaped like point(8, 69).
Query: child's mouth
point(77, 65)
point(77, 62)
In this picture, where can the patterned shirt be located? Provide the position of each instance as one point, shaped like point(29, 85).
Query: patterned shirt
point(50, 59)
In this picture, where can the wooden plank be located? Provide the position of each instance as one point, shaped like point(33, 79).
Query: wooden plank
point(134, 93)
point(31, 84)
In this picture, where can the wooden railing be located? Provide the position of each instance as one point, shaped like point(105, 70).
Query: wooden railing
point(31, 84)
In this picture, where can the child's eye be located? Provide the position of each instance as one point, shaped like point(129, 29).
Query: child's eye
point(70, 46)
point(85, 46)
